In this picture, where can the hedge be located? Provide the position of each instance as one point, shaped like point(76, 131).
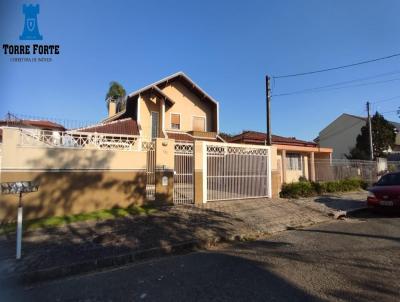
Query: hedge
point(307, 189)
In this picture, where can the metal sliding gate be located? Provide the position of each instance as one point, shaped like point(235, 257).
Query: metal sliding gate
point(237, 171)
point(150, 148)
point(183, 174)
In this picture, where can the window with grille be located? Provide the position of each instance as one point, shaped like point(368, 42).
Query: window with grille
point(175, 121)
point(154, 124)
point(294, 161)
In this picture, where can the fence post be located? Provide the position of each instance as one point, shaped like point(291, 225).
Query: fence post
point(200, 172)
point(269, 171)
point(312, 166)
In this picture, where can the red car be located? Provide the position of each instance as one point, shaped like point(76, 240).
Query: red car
point(386, 192)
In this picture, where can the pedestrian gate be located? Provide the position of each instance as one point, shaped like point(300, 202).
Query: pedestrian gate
point(237, 171)
point(150, 148)
point(183, 174)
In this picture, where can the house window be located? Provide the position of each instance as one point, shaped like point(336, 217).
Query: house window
point(154, 124)
point(293, 161)
point(199, 123)
point(175, 121)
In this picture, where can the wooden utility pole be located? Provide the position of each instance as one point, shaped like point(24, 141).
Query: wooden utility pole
point(268, 95)
point(371, 148)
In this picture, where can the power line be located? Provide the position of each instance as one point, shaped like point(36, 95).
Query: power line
point(335, 68)
point(344, 82)
point(386, 100)
point(322, 88)
point(389, 111)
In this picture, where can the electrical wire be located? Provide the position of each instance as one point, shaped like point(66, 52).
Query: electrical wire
point(319, 89)
point(386, 100)
point(335, 68)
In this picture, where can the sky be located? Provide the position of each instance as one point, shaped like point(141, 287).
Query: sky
point(226, 47)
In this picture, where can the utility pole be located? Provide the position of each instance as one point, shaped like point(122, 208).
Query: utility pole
point(371, 148)
point(268, 95)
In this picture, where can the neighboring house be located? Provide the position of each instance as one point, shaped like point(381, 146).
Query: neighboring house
point(341, 134)
point(174, 107)
point(295, 158)
point(29, 124)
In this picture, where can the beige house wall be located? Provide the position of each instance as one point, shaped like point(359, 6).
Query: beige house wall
point(187, 104)
point(341, 135)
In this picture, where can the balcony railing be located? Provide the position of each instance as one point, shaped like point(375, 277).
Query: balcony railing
point(78, 140)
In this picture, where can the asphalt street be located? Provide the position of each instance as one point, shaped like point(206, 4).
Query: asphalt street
point(356, 259)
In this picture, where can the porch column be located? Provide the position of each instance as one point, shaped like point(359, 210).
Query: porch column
point(312, 167)
point(200, 172)
point(164, 172)
point(284, 166)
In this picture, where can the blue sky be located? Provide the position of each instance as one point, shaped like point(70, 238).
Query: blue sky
point(226, 47)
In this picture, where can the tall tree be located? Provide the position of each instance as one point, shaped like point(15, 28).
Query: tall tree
point(383, 137)
point(115, 92)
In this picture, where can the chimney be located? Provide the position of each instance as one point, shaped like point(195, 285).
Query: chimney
point(112, 107)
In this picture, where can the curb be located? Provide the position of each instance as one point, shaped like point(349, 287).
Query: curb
point(129, 258)
point(111, 261)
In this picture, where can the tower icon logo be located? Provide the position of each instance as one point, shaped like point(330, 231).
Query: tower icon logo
point(31, 28)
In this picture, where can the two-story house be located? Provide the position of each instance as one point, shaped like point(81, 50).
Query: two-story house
point(341, 135)
point(174, 107)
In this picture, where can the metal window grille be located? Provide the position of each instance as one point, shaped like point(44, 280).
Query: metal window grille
point(154, 124)
point(294, 161)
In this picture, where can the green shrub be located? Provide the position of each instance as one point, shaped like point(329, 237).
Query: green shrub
point(303, 179)
point(297, 189)
point(319, 187)
point(306, 188)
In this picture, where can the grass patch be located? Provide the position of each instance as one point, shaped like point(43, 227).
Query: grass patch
point(57, 221)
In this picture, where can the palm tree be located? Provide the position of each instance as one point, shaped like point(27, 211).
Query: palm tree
point(115, 91)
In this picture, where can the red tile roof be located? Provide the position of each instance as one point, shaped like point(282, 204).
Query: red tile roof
point(186, 137)
point(42, 124)
point(260, 137)
point(126, 126)
point(181, 136)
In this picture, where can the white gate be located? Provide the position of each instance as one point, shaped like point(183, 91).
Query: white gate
point(150, 147)
point(183, 174)
point(236, 171)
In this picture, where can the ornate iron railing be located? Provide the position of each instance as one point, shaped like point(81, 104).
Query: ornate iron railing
point(78, 140)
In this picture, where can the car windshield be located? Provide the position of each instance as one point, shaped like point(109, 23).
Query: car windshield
point(389, 180)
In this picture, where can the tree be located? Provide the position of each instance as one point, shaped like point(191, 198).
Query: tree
point(383, 137)
point(115, 91)
point(226, 136)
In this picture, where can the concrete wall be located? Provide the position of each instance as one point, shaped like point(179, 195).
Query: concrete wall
point(71, 180)
point(341, 134)
point(73, 192)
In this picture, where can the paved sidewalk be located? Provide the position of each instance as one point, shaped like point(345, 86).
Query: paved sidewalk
point(80, 247)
